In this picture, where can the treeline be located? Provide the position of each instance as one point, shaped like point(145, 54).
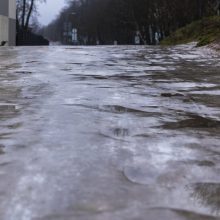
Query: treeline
point(108, 21)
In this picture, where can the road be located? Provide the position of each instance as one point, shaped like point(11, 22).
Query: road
point(109, 133)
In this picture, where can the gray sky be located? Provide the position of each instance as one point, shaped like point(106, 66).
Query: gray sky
point(49, 10)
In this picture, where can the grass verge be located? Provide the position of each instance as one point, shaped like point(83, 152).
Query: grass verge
point(205, 31)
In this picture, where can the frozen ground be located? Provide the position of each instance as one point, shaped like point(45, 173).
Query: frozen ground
point(109, 133)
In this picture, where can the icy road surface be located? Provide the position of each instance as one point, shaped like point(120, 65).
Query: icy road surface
point(109, 133)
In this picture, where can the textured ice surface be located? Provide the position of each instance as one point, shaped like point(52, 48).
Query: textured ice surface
point(109, 133)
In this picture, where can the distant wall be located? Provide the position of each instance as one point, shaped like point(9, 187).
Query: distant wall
point(8, 21)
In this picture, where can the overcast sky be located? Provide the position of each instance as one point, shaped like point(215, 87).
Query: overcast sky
point(49, 10)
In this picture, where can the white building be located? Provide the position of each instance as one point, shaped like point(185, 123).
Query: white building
point(8, 21)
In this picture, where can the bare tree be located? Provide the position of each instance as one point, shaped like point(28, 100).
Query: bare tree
point(25, 10)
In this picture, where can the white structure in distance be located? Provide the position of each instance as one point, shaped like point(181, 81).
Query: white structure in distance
point(74, 36)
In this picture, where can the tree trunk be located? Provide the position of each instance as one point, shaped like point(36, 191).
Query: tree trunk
point(17, 21)
point(23, 13)
point(29, 14)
